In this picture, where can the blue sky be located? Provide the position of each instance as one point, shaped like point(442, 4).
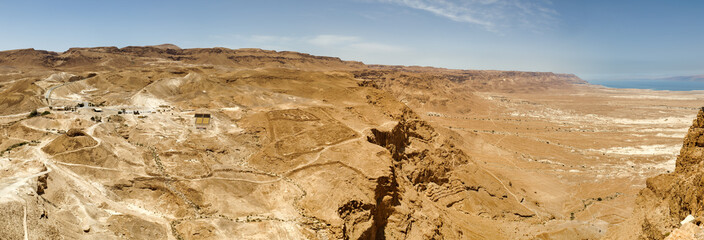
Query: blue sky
point(594, 39)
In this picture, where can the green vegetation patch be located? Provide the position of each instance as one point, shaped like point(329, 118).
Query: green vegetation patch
point(34, 113)
point(16, 145)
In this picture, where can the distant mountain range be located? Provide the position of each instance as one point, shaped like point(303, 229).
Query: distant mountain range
point(694, 78)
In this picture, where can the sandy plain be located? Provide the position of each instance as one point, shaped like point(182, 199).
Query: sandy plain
point(582, 154)
point(323, 150)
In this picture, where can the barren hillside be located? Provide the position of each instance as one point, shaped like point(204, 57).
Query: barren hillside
point(307, 147)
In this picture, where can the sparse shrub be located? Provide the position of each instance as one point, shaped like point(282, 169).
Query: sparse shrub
point(45, 113)
point(16, 145)
point(34, 113)
point(75, 78)
point(75, 132)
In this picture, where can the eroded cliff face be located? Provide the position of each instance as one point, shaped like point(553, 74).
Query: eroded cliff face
point(437, 186)
point(670, 198)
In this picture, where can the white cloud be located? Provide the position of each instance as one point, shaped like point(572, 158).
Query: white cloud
point(446, 9)
point(322, 41)
point(269, 39)
point(493, 15)
point(331, 40)
point(376, 47)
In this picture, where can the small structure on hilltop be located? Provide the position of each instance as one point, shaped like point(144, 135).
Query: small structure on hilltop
point(164, 108)
point(63, 108)
point(202, 120)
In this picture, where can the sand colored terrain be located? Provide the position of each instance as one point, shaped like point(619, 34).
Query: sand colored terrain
point(670, 207)
point(308, 147)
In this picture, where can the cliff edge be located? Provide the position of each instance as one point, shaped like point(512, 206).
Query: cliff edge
point(668, 200)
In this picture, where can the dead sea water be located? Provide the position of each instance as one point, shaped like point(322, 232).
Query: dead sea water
point(670, 85)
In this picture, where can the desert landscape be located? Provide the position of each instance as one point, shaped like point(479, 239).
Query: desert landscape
point(103, 143)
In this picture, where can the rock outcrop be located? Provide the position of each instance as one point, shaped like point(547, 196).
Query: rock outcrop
point(670, 198)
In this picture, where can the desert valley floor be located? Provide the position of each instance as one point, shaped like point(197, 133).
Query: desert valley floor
point(306, 147)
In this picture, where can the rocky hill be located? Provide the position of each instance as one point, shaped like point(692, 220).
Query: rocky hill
point(479, 80)
point(105, 62)
point(297, 147)
point(106, 58)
